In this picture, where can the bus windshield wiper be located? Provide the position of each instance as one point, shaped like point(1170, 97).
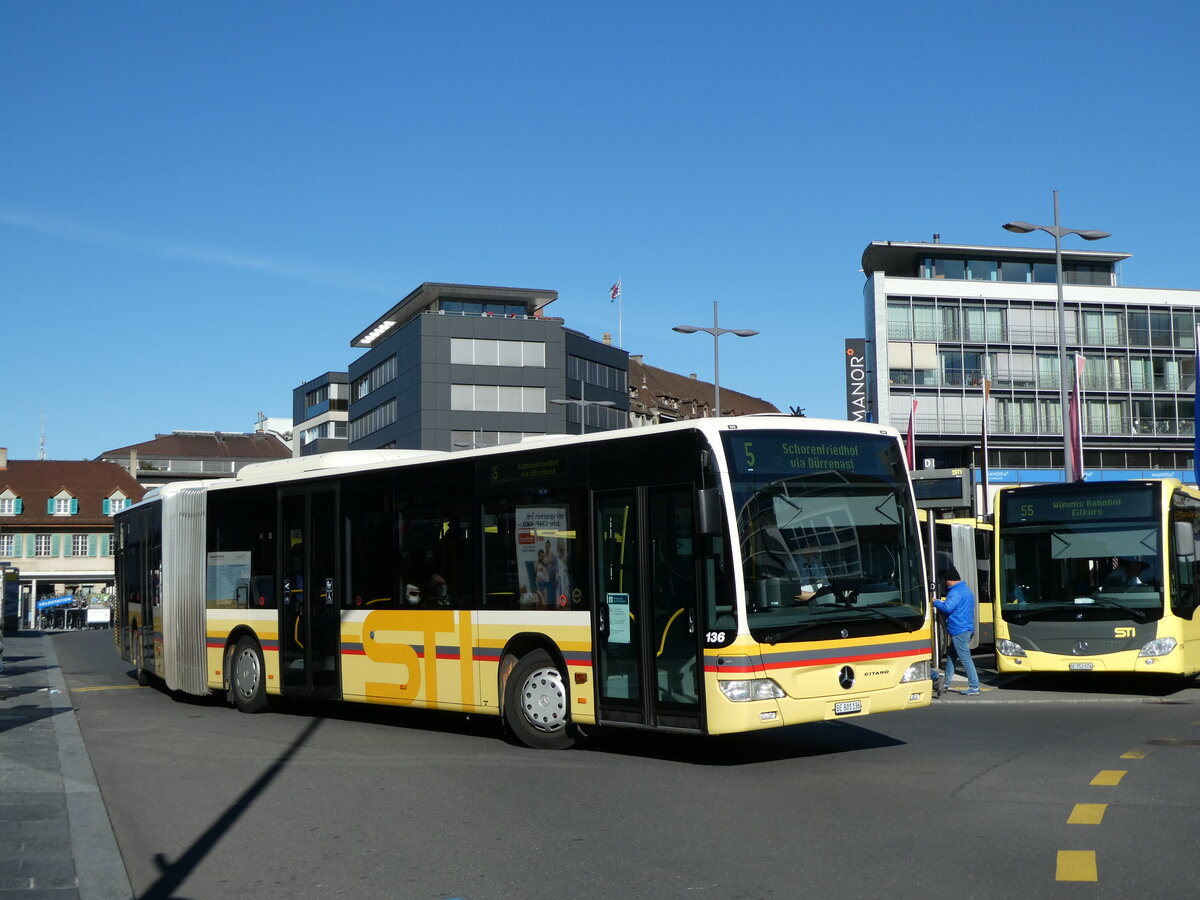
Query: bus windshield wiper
point(1140, 614)
point(1021, 616)
point(891, 618)
point(798, 629)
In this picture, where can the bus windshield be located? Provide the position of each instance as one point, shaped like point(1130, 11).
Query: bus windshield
point(1065, 555)
point(826, 536)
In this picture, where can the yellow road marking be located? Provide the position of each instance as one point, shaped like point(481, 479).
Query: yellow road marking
point(1076, 865)
point(1108, 778)
point(1087, 814)
point(107, 687)
point(1134, 754)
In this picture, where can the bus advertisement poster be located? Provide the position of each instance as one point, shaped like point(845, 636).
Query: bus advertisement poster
point(543, 557)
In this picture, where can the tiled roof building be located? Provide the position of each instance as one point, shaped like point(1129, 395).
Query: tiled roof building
point(56, 523)
point(656, 395)
point(183, 455)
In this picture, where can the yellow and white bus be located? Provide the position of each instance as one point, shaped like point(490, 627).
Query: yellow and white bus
point(1098, 577)
point(708, 576)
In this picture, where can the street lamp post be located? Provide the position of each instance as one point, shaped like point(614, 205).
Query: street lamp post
point(1057, 231)
point(582, 405)
point(716, 332)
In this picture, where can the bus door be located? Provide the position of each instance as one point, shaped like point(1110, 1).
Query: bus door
point(309, 614)
point(648, 659)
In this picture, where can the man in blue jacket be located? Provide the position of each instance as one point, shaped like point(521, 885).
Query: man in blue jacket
point(959, 607)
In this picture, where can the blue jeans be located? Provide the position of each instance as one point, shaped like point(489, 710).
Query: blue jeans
point(960, 647)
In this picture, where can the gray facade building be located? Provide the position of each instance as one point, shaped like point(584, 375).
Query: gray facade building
point(454, 366)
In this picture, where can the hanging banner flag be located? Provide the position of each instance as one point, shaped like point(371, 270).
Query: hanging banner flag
point(1196, 410)
point(910, 447)
point(615, 290)
point(1075, 462)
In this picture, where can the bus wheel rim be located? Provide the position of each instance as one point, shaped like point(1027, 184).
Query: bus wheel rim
point(544, 700)
point(247, 673)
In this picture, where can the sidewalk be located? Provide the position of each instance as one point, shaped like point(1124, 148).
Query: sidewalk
point(55, 837)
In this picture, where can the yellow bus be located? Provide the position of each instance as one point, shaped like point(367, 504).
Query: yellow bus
point(707, 577)
point(1098, 577)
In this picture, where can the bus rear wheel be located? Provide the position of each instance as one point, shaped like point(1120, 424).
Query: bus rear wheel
point(536, 703)
point(137, 651)
point(247, 676)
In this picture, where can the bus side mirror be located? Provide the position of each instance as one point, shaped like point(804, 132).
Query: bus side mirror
point(1185, 539)
point(708, 512)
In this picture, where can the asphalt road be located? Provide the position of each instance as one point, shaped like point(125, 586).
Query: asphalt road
point(974, 796)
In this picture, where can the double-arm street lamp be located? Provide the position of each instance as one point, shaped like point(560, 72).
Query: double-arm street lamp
point(582, 406)
point(716, 333)
point(1057, 231)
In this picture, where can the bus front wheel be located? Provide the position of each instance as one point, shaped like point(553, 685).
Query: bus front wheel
point(535, 703)
point(247, 678)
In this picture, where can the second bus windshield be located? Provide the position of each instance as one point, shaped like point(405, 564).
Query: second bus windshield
point(1080, 549)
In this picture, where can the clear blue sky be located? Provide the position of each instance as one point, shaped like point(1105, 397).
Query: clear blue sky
point(201, 203)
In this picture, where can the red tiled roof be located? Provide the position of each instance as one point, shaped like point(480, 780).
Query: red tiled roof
point(34, 481)
point(685, 397)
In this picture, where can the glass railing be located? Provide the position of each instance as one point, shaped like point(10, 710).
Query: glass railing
point(1046, 426)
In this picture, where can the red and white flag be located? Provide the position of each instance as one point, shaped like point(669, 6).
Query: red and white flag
point(910, 448)
point(615, 290)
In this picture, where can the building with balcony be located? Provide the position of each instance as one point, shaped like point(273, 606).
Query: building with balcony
point(945, 321)
point(320, 409)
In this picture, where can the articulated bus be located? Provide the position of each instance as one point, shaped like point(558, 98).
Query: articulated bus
point(706, 577)
point(1098, 577)
point(966, 543)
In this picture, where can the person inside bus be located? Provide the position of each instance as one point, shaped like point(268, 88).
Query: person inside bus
point(1126, 576)
point(1016, 590)
point(959, 607)
point(813, 575)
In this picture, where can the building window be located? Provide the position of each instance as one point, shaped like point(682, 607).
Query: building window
point(497, 398)
point(589, 371)
point(8, 545)
point(487, 352)
point(41, 545)
point(79, 545)
point(377, 418)
point(65, 506)
point(483, 308)
point(114, 505)
point(374, 379)
point(8, 506)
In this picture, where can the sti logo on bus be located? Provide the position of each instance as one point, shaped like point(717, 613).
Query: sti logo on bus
point(1124, 632)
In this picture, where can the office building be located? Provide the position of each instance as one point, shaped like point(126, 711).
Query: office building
point(945, 321)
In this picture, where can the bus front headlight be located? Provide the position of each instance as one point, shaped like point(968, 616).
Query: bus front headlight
point(1158, 647)
point(918, 671)
point(1009, 648)
point(751, 689)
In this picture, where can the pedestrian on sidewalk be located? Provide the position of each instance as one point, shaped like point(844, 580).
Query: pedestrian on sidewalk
point(959, 607)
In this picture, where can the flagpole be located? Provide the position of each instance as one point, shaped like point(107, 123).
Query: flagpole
point(987, 387)
point(615, 293)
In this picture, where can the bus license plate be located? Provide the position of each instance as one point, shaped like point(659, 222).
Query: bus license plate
point(1081, 667)
point(845, 707)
